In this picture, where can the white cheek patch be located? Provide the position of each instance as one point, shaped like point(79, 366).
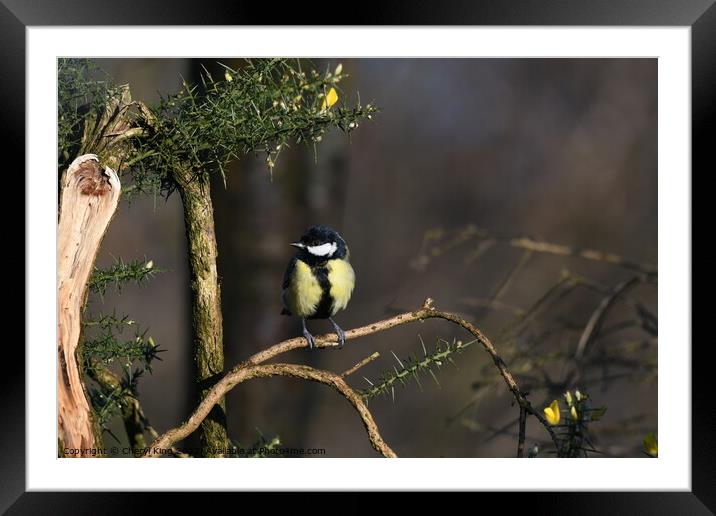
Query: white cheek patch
point(323, 250)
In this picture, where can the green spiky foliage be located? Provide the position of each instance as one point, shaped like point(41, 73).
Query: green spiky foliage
point(573, 431)
point(121, 272)
point(413, 366)
point(113, 392)
point(262, 447)
point(104, 342)
point(106, 345)
point(262, 107)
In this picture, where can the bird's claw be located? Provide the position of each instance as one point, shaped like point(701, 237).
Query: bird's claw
point(307, 335)
point(340, 333)
point(310, 339)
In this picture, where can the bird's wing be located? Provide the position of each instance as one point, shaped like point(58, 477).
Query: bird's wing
point(286, 284)
point(287, 274)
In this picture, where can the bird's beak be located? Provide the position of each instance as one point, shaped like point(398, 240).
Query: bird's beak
point(299, 245)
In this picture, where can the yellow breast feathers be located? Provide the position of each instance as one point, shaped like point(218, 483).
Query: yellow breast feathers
point(342, 280)
point(304, 292)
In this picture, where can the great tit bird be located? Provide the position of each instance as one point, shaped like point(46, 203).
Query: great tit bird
point(319, 279)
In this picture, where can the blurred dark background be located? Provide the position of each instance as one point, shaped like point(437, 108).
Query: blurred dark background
point(564, 150)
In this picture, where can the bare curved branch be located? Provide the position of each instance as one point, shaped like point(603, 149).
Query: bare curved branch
point(250, 369)
point(237, 376)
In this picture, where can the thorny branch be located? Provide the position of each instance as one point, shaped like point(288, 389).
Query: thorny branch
point(251, 368)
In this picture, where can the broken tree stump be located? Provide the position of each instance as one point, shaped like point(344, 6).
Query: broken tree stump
point(90, 193)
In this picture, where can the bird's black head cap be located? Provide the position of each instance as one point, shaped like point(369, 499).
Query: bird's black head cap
point(320, 243)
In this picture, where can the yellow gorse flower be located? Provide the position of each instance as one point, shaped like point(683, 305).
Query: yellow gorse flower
point(650, 445)
point(330, 99)
point(551, 413)
point(228, 76)
point(573, 412)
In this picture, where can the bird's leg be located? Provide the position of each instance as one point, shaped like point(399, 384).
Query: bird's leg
point(341, 334)
point(308, 335)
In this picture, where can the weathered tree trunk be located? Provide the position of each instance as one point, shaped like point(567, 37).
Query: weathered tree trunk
point(207, 329)
point(90, 194)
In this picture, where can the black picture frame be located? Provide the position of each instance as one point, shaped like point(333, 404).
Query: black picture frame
point(700, 15)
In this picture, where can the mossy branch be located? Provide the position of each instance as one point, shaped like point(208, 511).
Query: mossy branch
point(251, 368)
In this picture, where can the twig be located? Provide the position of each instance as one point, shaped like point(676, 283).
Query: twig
point(587, 254)
point(365, 361)
point(486, 240)
point(237, 376)
point(595, 321)
point(510, 276)
point(249, 369)
point(521, 438)
point(558, 291)
point(648, 320)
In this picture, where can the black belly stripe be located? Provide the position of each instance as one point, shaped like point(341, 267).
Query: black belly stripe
point(323, 310)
